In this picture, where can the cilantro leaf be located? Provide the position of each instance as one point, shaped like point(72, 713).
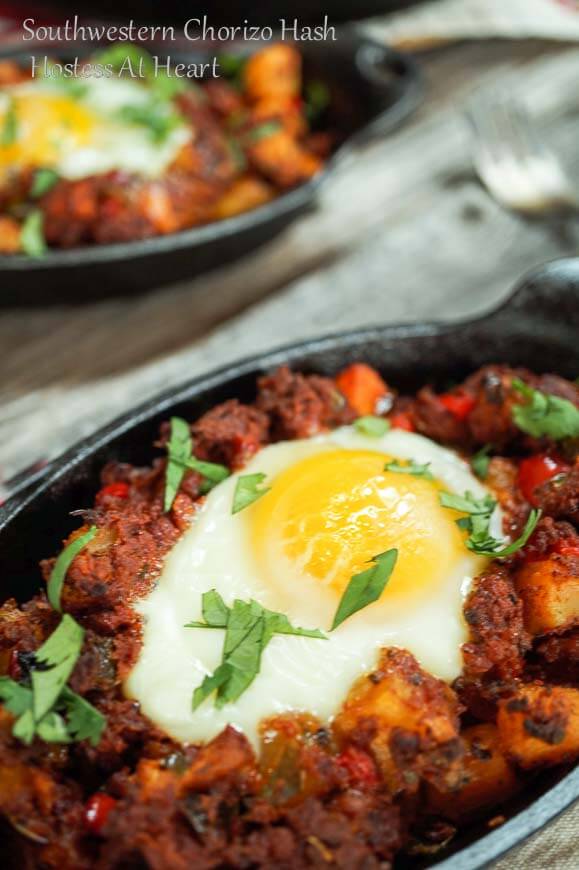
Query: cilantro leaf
point(156, 117)
point(134, 59)
point(52, 728)
point(317, 99)
point(63, 563)
point(544, 415)
point(50, 709)
point(480, 462)
point(261, 131)
point(242, 650)
point(179, 451)
point(411, 467)
point(215, 610)
point(32, 239)
point(232, 66)
point(24, 727)
point(212, 471)
point(492, 547)
point(43, 181)
point(180, 458)
point(366, 587)
point(249, 628)
point(372, 426)
point(278, 623)
point(210, 684)
point(119, 54)
point(247, 490)
point(9, 131)
point(60, 652)
point(17, 699)
point(477, 524)
point(468, 504)
point(83, 721)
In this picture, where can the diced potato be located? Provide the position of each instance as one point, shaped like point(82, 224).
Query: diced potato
point(489, 778)
point(407, 719)
point(540, 725)
point(228, 756)
point(550, 592)
point(293, 760)
point(244, 194)
point(287, 111)
point(283, 160)
point(12, 73)
point(9, 235)
point(273, 72)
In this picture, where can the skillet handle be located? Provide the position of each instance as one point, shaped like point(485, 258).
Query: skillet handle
point(397, 84)
point(548, 294)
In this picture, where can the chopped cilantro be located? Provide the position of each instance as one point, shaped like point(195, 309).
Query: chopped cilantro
point(544, 415)
point(366, 587)
point(64, 562)
point(249, 488)
point(372, 426)
point(249, 627)
point(410, 467)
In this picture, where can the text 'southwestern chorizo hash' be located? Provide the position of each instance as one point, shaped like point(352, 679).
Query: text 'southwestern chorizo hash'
point(327, 627)
point(140, 152)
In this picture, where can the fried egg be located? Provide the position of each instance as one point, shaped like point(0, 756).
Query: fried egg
point(79, 129)
point(331, 508)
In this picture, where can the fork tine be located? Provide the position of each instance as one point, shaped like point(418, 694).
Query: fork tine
point(510, 157)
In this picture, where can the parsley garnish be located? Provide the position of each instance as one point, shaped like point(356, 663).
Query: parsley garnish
point(317, 99)
point(118, 55)
point(372, 426)
point(63, 563)
point(43, 181)
point(249, 488)
point(232, 66)
point(494, 548)
point(46, 707)
point(137, 62)
point(155, 116)
point(32, 239)
point(9, 132)
point(544, 415)
point(480, 462)
point(180, 458)
point(477, 523)
point(261, 131)
point(411, 467)
point(249, 627)
point(366, 587)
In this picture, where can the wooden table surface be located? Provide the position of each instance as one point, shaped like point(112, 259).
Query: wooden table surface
point(404, 233)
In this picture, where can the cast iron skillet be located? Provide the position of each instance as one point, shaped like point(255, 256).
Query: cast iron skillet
point(372, 87)
point(536, 327)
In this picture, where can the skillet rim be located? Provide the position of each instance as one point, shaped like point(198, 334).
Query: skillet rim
point(557, 798)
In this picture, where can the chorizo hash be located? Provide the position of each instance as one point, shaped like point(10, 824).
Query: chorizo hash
point(408, 759)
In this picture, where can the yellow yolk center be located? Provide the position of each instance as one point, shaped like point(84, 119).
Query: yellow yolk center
point(327, 516)
point(44, 126)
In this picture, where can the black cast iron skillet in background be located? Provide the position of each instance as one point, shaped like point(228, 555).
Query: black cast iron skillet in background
point(372, 89)
point(537, 327)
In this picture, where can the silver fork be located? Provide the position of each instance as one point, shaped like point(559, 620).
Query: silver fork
point(513, 162)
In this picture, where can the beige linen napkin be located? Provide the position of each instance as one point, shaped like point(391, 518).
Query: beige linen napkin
point(448, 20)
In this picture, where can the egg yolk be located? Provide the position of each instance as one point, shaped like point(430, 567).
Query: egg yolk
point(45, 125)
point(327, 516)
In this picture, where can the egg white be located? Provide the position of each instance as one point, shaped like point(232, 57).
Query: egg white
point(297, 674)
point(115, 144)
